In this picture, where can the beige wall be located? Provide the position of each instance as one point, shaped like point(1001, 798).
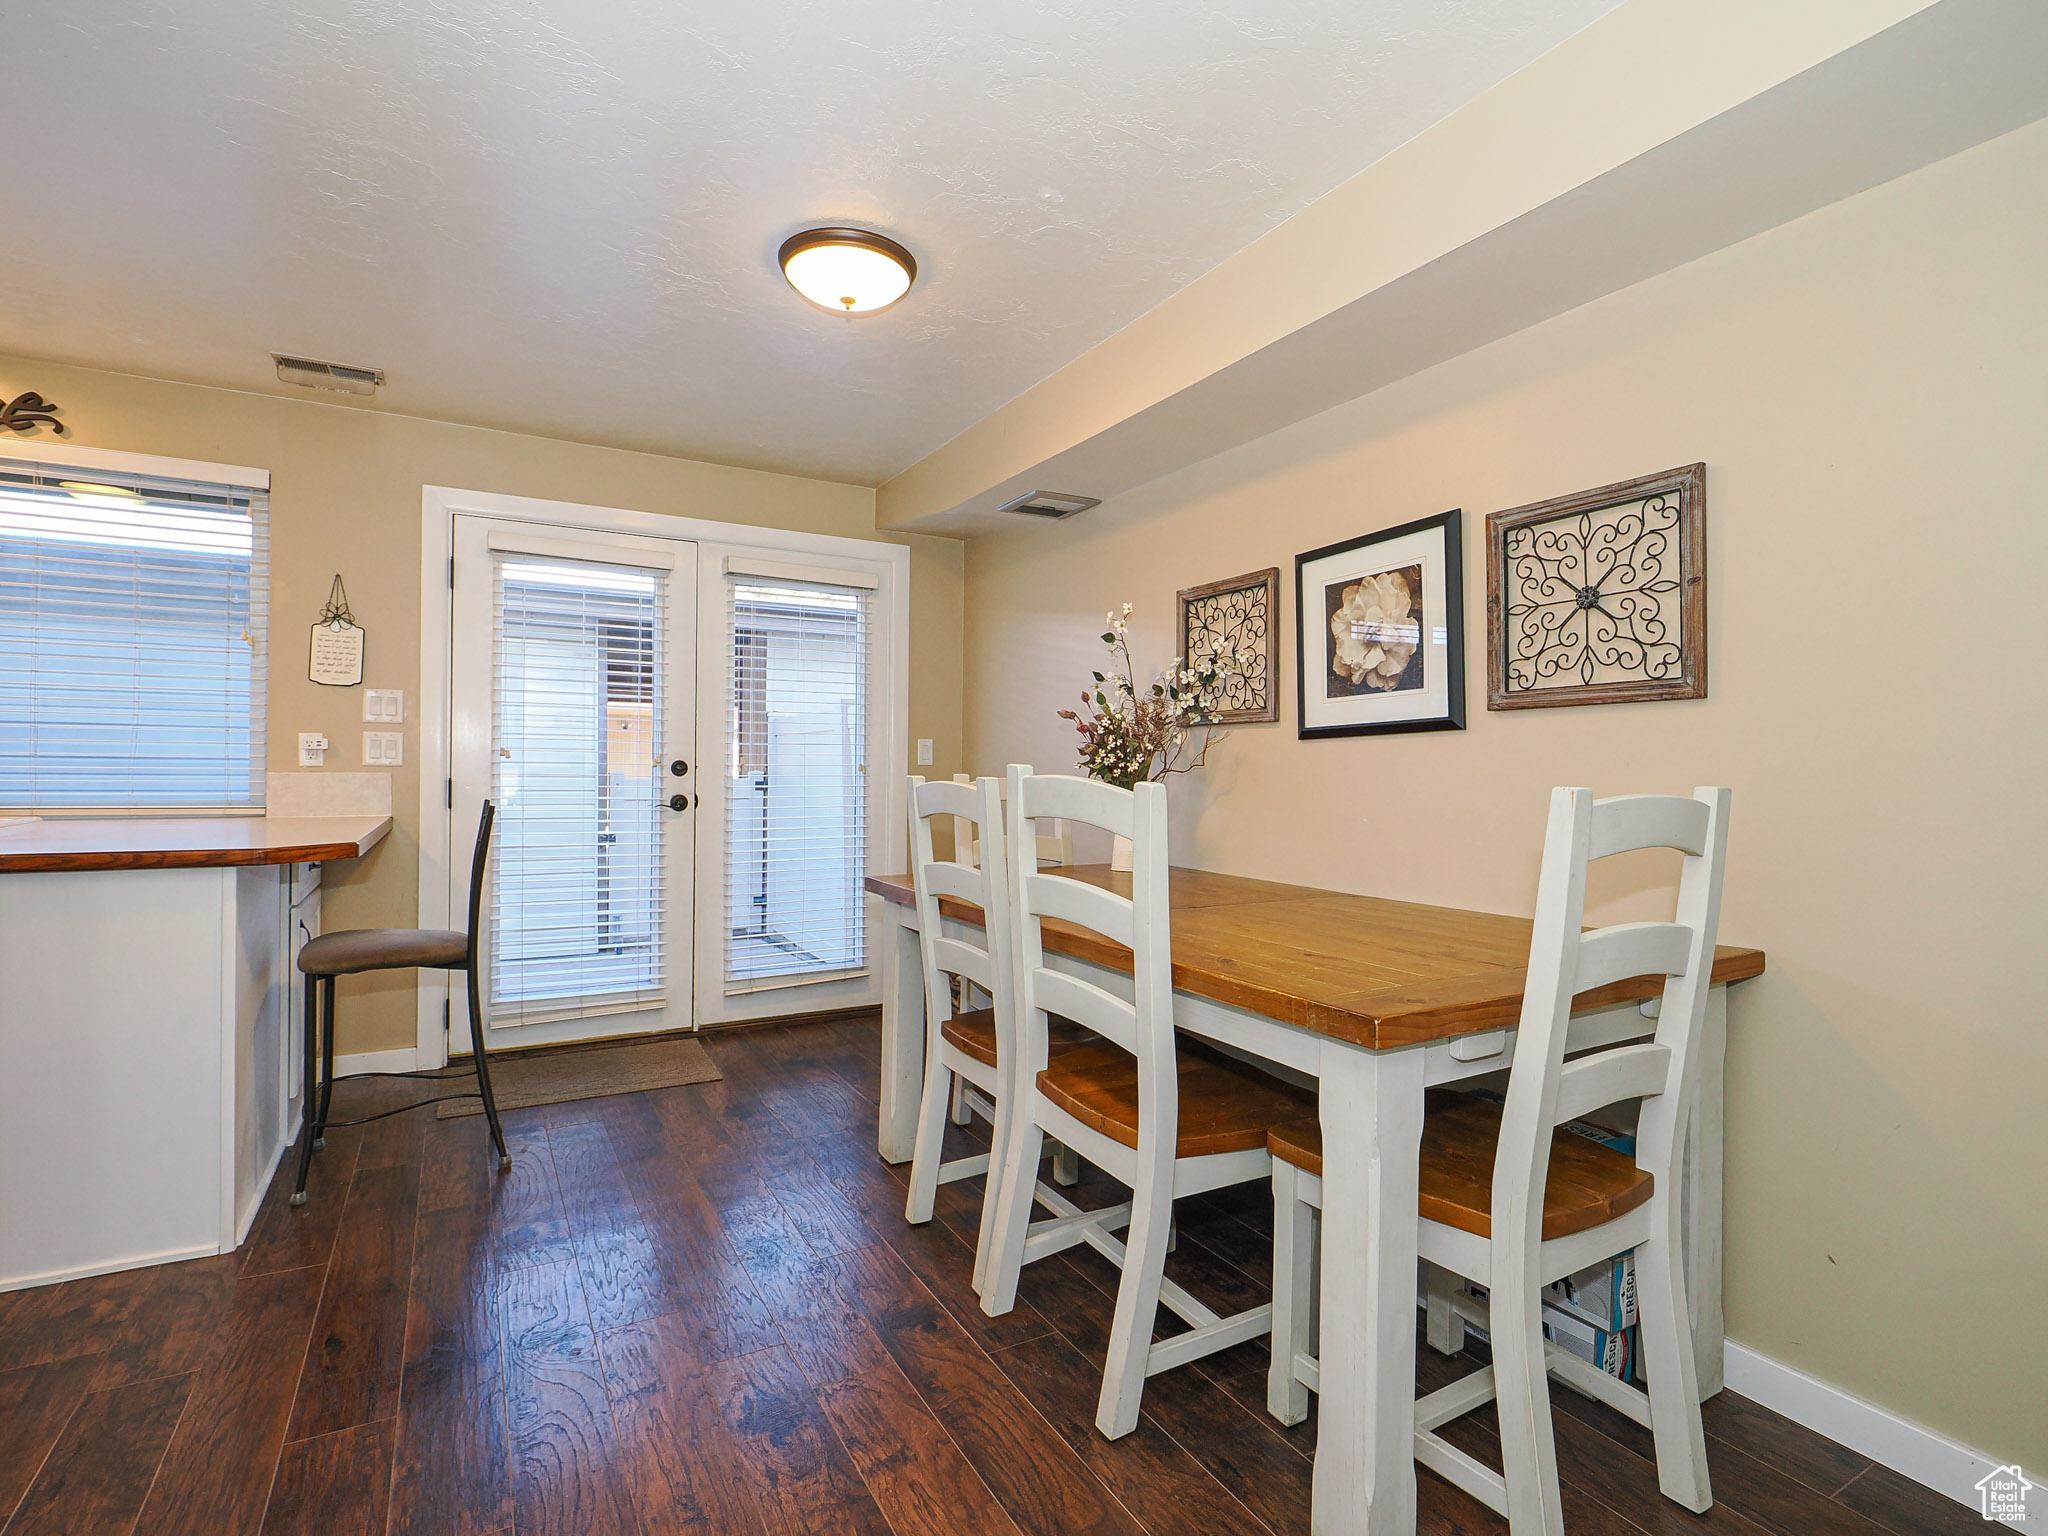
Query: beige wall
point(345, 496)
point(1868, 388)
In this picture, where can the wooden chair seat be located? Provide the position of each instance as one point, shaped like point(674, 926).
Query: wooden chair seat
point(1588, 1184)
point(975, 1033)
point(1225, 1106)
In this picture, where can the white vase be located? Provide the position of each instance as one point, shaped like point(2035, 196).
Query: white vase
point(1120, 852)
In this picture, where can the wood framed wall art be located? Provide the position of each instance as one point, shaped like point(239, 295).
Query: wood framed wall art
point(1379, 631)
point(1599, 597)
point(1238, 613)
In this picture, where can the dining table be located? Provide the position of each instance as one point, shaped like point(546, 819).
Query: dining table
point(1375, 1001)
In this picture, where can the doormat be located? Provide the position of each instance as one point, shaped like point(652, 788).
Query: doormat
point(595, 1072)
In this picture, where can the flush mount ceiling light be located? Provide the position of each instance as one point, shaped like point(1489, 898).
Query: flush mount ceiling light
point(1050, 504)
point(851, 271)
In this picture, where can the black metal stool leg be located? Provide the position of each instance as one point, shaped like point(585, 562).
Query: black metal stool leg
point(483, 1072)
point(308, 1120)
point(326, 1058)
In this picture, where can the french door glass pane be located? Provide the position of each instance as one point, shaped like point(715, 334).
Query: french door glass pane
point(577, 874)
point(796, 782)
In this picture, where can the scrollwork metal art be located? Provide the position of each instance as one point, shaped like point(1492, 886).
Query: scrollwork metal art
point(1594, 599)
point(29, 410)
point(1599, 598)
point(1237, 614)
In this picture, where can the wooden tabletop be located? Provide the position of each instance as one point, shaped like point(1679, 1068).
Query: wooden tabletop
point(1375, 972)
point(187, 842)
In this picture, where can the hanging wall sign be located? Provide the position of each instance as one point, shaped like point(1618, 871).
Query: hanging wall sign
point(337, 650)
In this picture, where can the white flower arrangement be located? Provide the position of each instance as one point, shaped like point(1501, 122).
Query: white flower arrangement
point(1128, 737)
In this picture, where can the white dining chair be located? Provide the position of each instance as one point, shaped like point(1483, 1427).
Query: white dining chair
point(1554, 1202)
point(1166, 1120)
point(969, 1050)
point(1055, 838)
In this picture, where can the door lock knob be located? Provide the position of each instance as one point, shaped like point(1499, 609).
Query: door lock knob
point(679, 802)
point(679, 767)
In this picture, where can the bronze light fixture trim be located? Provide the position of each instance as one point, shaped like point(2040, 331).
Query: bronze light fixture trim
point(819, 288)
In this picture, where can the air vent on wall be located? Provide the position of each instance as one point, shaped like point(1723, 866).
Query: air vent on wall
point(313, 374)
point(1050, 504)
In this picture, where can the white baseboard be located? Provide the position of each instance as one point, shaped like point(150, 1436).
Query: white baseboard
point(405, 1060)
point(246, 1217)
point(111, 1267)
point(1912, 1450)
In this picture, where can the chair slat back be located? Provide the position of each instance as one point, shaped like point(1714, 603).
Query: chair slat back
point(1564, 960)
point(1088, 1005)
point(1086, 906)
point(1054, 847)
point(1140, 922)
point(981, 956)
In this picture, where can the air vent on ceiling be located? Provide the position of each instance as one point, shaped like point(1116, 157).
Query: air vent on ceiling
point(313, 374)
point(1050, 504)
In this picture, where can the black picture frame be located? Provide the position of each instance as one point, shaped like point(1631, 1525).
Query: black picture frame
point(1442, 711)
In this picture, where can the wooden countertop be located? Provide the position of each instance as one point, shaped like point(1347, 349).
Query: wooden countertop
point(1361, 968)
point(186, 842)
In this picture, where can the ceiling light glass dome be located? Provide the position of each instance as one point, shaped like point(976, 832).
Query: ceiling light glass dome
point(849, 271)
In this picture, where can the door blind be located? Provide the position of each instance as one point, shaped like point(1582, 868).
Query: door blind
point(576, 882)
point(796, 783)
point(133, 641)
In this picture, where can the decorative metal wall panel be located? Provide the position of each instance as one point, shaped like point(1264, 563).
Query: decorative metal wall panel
point(1238, 614)
point(1599, 597)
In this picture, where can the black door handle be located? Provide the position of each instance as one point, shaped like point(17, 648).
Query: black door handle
point(679, 802)
point(679, 767)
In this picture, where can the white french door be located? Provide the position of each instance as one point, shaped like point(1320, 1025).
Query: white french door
point(573, 708)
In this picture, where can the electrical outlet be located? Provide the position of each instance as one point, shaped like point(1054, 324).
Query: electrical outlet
point(383, 749)
point(312, 749)
point(384, 704)
point(924, 751)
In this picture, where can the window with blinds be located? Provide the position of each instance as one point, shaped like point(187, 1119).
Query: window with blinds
point(796, 782)
point(133, 653)
point(576, 880)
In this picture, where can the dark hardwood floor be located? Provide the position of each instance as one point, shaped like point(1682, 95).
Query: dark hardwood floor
point(700, 1310)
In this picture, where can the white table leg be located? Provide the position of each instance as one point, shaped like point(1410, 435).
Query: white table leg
point(1372, 1138)
point(1702, 1195)
point(902, 1034)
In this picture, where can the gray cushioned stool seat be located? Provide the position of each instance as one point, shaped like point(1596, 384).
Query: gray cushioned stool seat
point(383, 949)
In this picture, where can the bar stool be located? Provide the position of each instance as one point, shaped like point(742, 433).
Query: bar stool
point(353, 950)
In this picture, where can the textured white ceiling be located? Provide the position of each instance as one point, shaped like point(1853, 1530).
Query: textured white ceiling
point(560, 216)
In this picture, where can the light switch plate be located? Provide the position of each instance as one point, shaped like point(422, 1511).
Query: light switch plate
point(312, 750)
point(924, 751)
point(384, 704)
point(383, 749)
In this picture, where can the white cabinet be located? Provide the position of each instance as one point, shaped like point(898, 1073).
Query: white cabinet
point(143, 1050)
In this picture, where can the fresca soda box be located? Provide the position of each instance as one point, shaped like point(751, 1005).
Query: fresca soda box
point(1602, 1295)
point(1609, 1350)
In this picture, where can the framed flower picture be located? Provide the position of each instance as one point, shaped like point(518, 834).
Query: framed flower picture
point(1379, 629)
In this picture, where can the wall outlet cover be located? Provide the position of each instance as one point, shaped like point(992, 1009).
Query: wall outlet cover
point(924, 752)
point(312, 749)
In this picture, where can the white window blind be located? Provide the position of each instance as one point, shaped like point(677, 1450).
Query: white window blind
point(796, 782)
point(134, 612)
point(576, 879)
